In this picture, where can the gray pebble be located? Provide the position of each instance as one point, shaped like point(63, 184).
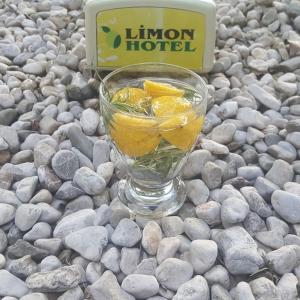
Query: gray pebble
point(287, 286)
point(68, 191)
point(197, 191)
point(89, 121)
point(51, 245)
point(88, 241)
point(129, 260)
point(3, 241)
point(203, 254)
point(43, 154)
point(7, 280)
point(263, 288)
point(94, 271)
point(214, 147)
point(107, 287)
point(250, 172)
point(256, 203)
point(140, 286)
point(212, 175)
point(265, 187)
point(194, 289)
point(196, 229)
point(48, 179)
point(209, 212)
point(218, 275)
point(27, 215)
point(65, 163)
point(72, 294)
point(152, 236)
point(74, 222)
point(23, 267)
point(173, 272)
point(111, 259)
point(7, 213)
point(223, 134)
point(284, 259)
point(39, 230)
point(26, 188)
point(291, 239)
point(50, 263)
point(276, 224)
point(58, 280)
point(103, 214)
point(243, 292)
point(106, 170)
point(172, 226)
point(218, 292)
point(272, 239)
point(147, 266)
point(101, 153)
point(89, 181)
point(126, 234)
point(251, 117)
point(167, 248)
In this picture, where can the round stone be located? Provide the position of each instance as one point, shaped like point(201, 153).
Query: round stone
point(65, 163)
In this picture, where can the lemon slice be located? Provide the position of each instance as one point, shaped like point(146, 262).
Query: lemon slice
point(139, 98)
point(182, 131)
point(156, 89)
point(182, 125)
point(134, 136)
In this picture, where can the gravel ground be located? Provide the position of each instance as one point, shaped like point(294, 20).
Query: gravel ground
point(63, 232)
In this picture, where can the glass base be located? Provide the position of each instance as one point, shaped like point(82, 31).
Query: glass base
point(152, 201)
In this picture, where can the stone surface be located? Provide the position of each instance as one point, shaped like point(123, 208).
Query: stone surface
point(151, 238)
point(7, 213)
point(7, 280)
point(88, 241)
point(65, 163)
point(58, 280)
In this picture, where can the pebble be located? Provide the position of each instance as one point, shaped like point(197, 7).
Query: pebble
point(251, 117)
point(280, 173)
point(7, 280)
point(72, 294)
point(94, 271)
point(214, 147)
point(263, 288)
point(250, 172)
point(129, 260)
point(23, 267)
point(167, 248)
point(256, 203)
point(196, 229)
point(272, 239)
point(140, 286)
point(152, 236)
point(233, 210)
point(51, 245)
point(27, 215)
point(74, 222)
point(265, 188)
point(80, 141)
point(239, 250)
point(264, 97)
point(195, 163)
point(243, 291)
point(173, 272)
point(212, 175)
point(65, 163)
point(22, 248)
point(3, 241)
point(50, 263)
point(106, 170)
point(111, 259)
point(68, 191)
point(218, 292)
point(107, 287)
point(203, 254)
point(101, 152)
point(126, 234)
point(88, 241)
point(7, 213)
point(287, 205)
point(48, 179)
point(26, 188)
point(43, 154)
point(10, 136)
point(287, 286)
point(58, 280)
point(89, 181)
point(172, 226)
point(89, 121)
point(197, 191)
point(209, 212)
point(34, 296)
point(196, 288)
point(218, 275)
point(147, 266)
point(223, 134)
point(38, 231)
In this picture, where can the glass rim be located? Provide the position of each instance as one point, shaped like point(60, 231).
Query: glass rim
point(137, 115)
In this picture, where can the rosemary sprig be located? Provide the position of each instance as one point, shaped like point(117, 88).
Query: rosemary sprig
point(162, 159)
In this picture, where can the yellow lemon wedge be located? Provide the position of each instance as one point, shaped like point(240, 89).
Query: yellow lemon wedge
point(156, 89)
point(182, 130)
point(139, 98)
point(134, 136)
point(181, 125)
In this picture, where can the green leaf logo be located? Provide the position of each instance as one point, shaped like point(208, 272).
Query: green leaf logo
point(113, 39)
point(117, 41)
point(105, 29)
